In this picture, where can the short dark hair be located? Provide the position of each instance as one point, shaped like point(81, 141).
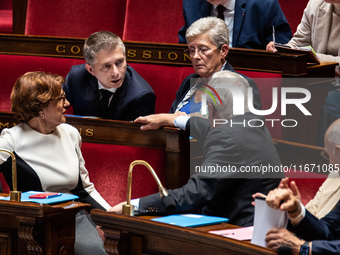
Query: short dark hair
point(102, 40)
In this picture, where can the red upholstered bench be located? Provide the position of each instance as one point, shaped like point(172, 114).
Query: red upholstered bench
point(308, 184)
point(77, 18)
point(108, 167)
point(6, 21)
point(13, 66)
point(153, 20)
point(164, 80)
point(6, 13)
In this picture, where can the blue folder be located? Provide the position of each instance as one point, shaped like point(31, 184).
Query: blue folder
point(62, 198)
point(190, 220)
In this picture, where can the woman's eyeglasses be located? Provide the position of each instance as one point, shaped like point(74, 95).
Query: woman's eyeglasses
point(62, 97)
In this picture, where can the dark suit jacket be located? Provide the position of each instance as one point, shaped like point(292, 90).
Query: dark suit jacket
point(226, 194)
point(325, 232)
point(133, 99)
point(185, 86)
point(253, 21)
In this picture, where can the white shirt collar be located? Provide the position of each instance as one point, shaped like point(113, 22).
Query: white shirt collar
point(100, 86)
point(229, 5)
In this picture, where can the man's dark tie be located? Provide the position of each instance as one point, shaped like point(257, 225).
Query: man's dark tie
point(104, 101)
point(220, 11)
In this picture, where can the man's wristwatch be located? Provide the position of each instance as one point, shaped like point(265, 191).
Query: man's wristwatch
point(304, 249)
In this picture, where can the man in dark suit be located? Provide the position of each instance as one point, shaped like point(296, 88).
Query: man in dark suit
point(250, 21)
point(234, 147)
point(106, 86)
point(320, 236)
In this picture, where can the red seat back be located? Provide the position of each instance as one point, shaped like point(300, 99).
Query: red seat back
point(77, 18)
point(293, 11)
point(265, 83)
point(153, 20)
point(13, 66)
point(164, 80)
point(108, 167)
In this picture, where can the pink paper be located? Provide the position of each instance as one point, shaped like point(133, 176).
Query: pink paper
point(236, 233)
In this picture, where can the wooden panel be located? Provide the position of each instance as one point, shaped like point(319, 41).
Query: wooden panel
point(173, 140)
point(166, 54)
point(125, 232)
point(32, 228)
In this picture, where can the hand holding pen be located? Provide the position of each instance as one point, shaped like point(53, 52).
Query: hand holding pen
point(270, 46)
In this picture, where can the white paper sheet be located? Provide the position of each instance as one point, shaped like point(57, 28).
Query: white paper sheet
point(265, 219)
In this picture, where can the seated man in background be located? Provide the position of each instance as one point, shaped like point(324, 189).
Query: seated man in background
point(325, 200)
point(106, 86)
point(319, 236)
point(250, 21)
point(320, 28)
point(221, 193)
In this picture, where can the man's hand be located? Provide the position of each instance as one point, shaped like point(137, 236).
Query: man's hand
point(283, 199)
point(284, 184)
point(117, 208)
point(156, 121)
point(270, 47)
point(280, 237)
point(101, 233)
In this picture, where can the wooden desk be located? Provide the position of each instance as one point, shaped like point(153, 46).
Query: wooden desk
point(135, 235)
point(32, 228)
point(173, 140)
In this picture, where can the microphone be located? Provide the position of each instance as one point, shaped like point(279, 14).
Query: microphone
point(168, 201)
point(14, 195)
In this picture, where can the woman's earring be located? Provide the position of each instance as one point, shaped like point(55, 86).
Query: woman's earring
point(42, 116)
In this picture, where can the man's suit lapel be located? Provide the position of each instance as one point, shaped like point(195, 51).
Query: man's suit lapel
point(228, 67)
point(92, 95)
point(240, 10)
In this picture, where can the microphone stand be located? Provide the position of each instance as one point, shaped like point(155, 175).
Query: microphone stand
point(128, 209)
point(14, 195)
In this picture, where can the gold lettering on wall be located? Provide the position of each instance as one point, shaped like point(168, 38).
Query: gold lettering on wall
point(157, 55)
point(75, 49)
point(60, 48)
point(131, 53)
point(69, 49)
point(147, 54)
point(89, 132)
point(186, 57)
point(172, 56)
point(2, 125)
